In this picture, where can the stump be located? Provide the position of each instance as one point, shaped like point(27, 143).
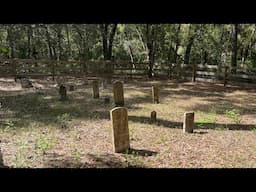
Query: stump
point(155, 94)
point(118, 93)
point(188, 124)
point(95, 89)
point(153, 117)
point(119, 119)
point(63, 93)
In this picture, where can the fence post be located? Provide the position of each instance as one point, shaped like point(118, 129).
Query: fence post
point(226, 76)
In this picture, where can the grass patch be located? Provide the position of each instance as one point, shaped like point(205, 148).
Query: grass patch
point(208, 118)
point(234, 114)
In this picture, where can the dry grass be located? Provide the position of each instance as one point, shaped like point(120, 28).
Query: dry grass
point(37, 130)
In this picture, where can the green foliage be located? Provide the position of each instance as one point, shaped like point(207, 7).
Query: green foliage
point(63, 119)
point(208, 118)
point(234, 114)
point(211, 43)
point(44, 143)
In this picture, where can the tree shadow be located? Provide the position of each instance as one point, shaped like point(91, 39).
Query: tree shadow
point(178, 125)
point(141, 152)
point(54, 160)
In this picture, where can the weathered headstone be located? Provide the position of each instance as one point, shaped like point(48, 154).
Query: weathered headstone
point(188, 124)
point(153, 117)
point(71, 88)
point(155, 94)
point(95, 89)
point(106, 100)
point(118, 92)
point(25, 83)
point(63, 93)
point(119, 119)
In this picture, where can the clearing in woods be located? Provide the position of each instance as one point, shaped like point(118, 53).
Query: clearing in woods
point(38, 130)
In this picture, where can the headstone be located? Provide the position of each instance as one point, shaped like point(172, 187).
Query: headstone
point(153, 117)
point(95, 89)
point(155, 94)
point(106, 100)
point(71, 88)
point(119, 119)
point(188, 124)
point(118, 94)
point(25, 83)
point(63, 93)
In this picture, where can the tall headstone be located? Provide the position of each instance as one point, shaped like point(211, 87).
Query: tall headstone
point(188, 124)
point(119, 119)
point(118, 93)
point(155, 94)
point(63, 93)
point(153, 117)
point(95, 89)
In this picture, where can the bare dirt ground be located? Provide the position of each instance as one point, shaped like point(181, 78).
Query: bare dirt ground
point(38, 130)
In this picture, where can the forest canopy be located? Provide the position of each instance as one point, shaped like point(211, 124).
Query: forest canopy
point(229, 44)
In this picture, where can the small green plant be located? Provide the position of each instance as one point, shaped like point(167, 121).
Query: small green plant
point(9, 124)
point(63, 119)
point(209, 118)
point(20, 160)
point(44, 143)
point(234, 114)
point(76, 154)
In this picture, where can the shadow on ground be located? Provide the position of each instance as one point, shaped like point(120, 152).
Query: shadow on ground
point(178, 125)
point(54, 160)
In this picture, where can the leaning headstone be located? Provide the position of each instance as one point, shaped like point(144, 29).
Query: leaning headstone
point(119, 119)
point(95, 89)
point(188, 124)
point(118, 94)
point(63, 93)
point(153, 117)
point(155, 94)
point(25, 83)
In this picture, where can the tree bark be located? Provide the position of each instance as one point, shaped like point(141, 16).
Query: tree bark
point(234, 47)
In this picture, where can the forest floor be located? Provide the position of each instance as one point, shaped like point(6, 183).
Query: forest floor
point(38, 130)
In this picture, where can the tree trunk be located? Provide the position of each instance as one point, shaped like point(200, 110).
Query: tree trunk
point(29, 43)
point(150, 32)
point(188, 50)
point(130, 48)
point(111, 39)
point(10, 41)
point(59, 55)
point(69, 44)
point(219, 53)
point(234, 47)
